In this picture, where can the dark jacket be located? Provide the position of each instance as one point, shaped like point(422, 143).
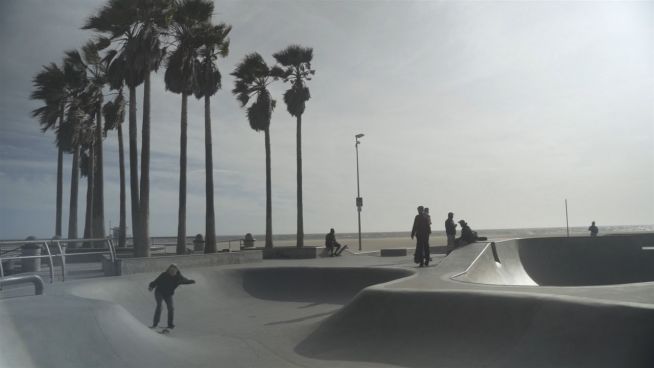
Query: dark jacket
point(450, 227)
point(421, 226)
point(330, 240)
point(467, 235)
point(166, 284)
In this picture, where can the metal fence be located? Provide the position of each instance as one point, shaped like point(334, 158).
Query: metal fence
point(31, 253)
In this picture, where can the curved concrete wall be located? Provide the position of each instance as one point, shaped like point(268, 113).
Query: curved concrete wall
point(575, 261)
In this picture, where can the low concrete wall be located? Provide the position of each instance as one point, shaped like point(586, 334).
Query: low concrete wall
point(290, 253)
point(127, 266)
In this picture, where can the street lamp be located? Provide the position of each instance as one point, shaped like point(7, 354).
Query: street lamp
point(359, 200)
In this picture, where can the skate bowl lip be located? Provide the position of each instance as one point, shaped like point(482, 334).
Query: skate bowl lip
point(519, 271)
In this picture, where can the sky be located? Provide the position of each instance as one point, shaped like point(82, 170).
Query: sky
point(497, 111)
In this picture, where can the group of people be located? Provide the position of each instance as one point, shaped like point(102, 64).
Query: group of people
point(422, 229)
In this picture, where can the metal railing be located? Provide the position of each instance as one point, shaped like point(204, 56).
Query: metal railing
point(155, 243)
point(16, 280)
point(46, 244)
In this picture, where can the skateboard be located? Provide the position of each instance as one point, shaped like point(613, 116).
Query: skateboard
point(164, 331)
point(340, 250)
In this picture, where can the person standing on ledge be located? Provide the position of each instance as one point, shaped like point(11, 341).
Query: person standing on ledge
point(593, 230)
point(420, 230)
point(164, 287)
point(450, 231)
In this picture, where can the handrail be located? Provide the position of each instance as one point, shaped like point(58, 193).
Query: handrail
point(47, 248)
point(63, 261)
point(62, 253)
point(15, 280)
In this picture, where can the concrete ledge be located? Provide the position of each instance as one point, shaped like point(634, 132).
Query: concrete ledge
point(438, 249)
point(393, 252)
point(290, 253)
point(127, 266)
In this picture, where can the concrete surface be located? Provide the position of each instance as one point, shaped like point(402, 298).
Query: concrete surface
point(350, 311)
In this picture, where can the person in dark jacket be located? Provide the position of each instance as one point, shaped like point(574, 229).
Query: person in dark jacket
point(593, 229)
point(421, 231)
point(331, 243)
point(467, 235)
point(450, 231)
point(164, 287)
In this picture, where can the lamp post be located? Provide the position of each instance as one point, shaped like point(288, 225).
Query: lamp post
point(359, 200)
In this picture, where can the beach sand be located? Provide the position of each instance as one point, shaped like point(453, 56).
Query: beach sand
point(368, 244)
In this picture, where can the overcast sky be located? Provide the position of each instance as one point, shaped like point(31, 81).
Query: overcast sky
point(497, 111)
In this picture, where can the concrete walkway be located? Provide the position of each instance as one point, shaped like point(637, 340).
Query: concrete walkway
point(350, 311)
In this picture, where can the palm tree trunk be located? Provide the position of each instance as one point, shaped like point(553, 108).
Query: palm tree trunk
point(60, 181)
point(60, 184)
point(144, 206)
point(133, 167)
point(269, 242)
point(88, 223)
point(181, 215)
point(98, 183)
point(74, 185)
point(121, 169)
point(300, 214)
point(210, 236)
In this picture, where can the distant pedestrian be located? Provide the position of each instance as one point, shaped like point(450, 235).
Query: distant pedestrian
point(593, 230)
point(333, 247)
point(450, 231)
point(420, 231)
point(164, 287)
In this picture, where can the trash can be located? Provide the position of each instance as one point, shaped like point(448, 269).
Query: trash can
point(248, 241)
point(31, 264)
point(198, 243)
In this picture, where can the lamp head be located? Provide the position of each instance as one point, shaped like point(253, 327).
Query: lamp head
point(358, 135)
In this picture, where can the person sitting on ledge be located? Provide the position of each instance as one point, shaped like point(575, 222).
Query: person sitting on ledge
point(467, 235)
point(331, 243)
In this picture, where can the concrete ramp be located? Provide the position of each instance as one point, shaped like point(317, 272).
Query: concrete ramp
point(453, 329)
point(248, 317)
point(575, 261)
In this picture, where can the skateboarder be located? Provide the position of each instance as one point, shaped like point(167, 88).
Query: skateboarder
point(164, 287)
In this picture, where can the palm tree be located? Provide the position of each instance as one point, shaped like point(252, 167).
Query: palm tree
point(296, 61)
point(50, 86)
point(118, 20)
point(136, 25)
point(72, 134)
point(214, 43)
point(252, 79)
point(57, 87)
point(114, 115)
point(179, 78)
point(89, 60)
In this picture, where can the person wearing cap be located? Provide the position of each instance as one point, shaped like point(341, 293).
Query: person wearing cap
point(164, 287)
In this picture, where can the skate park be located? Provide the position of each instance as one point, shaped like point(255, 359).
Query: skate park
point(539, 302)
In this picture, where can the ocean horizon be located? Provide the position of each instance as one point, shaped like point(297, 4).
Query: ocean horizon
point(490, 233)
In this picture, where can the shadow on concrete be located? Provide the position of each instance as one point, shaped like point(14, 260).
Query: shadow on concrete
point(462, 329)
point(314, 285)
